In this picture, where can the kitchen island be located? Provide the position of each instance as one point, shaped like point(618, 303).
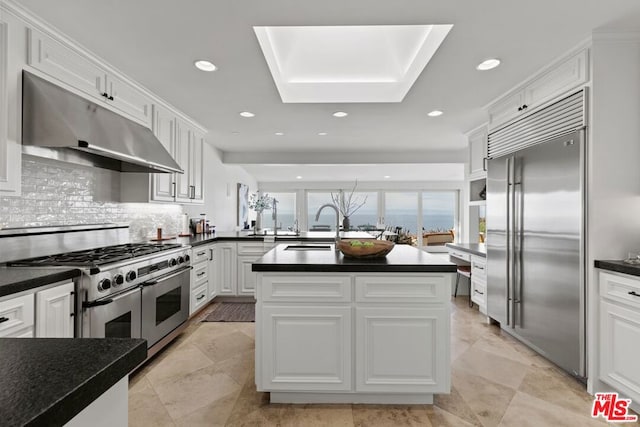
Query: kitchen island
point(331, 329)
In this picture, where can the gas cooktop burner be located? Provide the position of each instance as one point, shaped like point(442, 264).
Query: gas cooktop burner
point(98, 256)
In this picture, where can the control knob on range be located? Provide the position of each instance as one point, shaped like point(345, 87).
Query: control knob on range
point(180, 259)
point(187, 258)
point(131, 276)
point(104, 284)
point(172, 262)
point(118, 280)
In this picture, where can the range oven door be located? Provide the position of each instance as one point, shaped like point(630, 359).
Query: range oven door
point(165, 304)
point(114, 317)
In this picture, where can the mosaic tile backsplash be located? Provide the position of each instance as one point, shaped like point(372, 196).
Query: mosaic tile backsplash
point(56, 193)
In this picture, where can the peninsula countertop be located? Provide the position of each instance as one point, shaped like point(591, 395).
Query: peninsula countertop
point(403, 258)
point(479, 249)
point(18, 279)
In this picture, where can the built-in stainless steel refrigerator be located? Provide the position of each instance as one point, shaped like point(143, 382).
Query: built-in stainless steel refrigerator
point(535, 232)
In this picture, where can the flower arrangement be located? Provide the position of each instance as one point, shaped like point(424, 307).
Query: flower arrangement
point(259, 202)
point(348, 204)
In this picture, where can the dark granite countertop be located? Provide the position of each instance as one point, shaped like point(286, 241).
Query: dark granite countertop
point(479, 249)
point(618, 266)
point(403, 258)
point(245, 236)
point(18, 279)
point(47, 381)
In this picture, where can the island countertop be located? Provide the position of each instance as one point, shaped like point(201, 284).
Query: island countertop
point(286, 236)
point(403, 258)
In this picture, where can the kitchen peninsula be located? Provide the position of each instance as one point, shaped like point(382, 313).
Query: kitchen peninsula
point(331, 329)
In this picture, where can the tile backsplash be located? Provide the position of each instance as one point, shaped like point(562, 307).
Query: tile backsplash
point(56, 193)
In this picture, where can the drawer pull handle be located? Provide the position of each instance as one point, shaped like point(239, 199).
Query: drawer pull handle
point(478, 292)
point(201, 274)
point(4, 319)
point(478, 267)
point(200, 297)
point(201, 253)
point(634, 293)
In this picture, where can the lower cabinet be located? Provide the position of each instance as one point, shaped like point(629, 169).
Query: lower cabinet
point(47, 313)
point(246, 277)
point(227, 265)
point(307, 348)
point(620, 333)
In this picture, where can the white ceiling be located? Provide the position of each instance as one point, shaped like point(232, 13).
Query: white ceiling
point(156, 42)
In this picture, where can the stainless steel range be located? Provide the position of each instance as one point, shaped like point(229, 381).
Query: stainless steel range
point(127, 290)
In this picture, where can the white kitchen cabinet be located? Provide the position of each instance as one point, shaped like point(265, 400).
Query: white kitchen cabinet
point(203, 276)
point(213, 272)
point(87, 77)
point(401, 349)
point(549, 85)
point(478, 153)
point(620, 333)
point(246, 278)
point(479, 282)
point(12, 58)
point(163, 184)
point(227, 268)
point(306, 348)
point(17, 316)
point(196, 168)
point(55, 312)
point(188, 154)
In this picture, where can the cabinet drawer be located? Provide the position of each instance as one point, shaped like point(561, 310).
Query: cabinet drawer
point(311, 288)
point(403, 288)
point(200, 254)
point(198, 297)
point(620, 288)
point(460, 254)
point(479, 267)
point(18, 312)
point(200, 274)
point(478, 292)
point(253, 248)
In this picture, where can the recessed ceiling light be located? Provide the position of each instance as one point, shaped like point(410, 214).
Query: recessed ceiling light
point(247, 114)
point(322, 133)
point(279, 133)
point(340, 114)
point(488, 64)
point(387, 177)
point(435, 113)
point(298, 177)
point(205, 65)
point(235, 132)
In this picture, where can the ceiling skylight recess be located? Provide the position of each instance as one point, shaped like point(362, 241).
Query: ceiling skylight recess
point(370, 63)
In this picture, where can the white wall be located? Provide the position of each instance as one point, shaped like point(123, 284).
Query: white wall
point(613, 158)
point(220, 191)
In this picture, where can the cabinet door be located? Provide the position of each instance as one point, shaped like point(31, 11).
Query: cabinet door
point(505, 109)
point(403, 350)
point(12, 59)
point(619, 337)
point(55, 311)
point(558, 81)
point(62, 63)
point(227, 266)
point(246, 278)
point(163, 188)
point(477, 153)
point(129, 100)
point(213, 272)
point(306, 348)
point(196, 176)
point(182, 156)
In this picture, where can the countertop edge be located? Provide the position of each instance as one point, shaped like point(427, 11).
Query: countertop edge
point(67, 407)
point(355, 268)
point(618, 266)
point(25, 285)
point(466, 248)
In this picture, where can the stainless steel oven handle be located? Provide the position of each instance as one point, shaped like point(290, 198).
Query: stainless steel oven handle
point(89, 304)
point(166, 276)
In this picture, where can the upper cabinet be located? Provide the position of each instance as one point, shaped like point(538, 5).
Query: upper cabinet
point(56, 60)
point(554, 82)
point(478, 153)
point(12, 58)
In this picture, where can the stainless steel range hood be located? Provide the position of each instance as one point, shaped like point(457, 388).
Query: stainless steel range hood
point(60, 125)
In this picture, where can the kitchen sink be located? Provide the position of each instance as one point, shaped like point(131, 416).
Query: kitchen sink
point(308, 248)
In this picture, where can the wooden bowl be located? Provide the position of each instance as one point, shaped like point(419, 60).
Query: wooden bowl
point(379, 249)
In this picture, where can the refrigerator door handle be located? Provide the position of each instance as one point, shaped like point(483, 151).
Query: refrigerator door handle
point(508, 240)
point(517, 245)
point(512, 247)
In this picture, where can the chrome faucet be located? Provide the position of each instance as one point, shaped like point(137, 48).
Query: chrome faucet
point(329, 205)
point(274, 215)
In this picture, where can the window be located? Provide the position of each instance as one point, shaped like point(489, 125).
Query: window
point(327, 220)
point(286, 211)
point(401, 210)
point(367, 215)
point(438, 211)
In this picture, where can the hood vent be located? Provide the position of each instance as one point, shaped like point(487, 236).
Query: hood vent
point(63, 126)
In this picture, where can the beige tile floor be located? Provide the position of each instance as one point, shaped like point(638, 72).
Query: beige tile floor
point(206, 378)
